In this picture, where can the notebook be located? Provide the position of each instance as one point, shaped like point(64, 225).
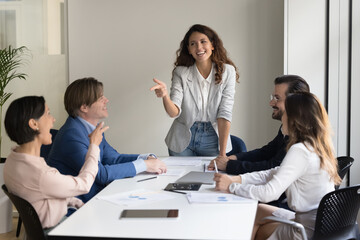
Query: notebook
point(197, 177)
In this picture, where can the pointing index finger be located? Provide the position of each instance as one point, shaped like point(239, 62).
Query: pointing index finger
point(155, 87)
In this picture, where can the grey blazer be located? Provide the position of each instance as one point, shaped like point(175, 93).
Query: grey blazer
point(186, 95)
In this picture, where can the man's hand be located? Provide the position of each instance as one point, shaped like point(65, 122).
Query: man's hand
point(154, 165)
point(221, 162)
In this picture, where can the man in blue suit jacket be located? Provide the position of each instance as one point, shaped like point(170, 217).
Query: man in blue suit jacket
point(86, 106)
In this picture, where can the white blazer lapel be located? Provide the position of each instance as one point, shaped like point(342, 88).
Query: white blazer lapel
point(193, 86)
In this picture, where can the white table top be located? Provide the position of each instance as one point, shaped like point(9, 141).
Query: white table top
point(100, 219)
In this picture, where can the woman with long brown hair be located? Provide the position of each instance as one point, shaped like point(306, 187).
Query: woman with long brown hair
point(307, 173)
point(201, 97)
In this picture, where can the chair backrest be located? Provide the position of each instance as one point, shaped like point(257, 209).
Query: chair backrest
point(337, 213)
point(45, 149)
point(30, 219)
point(344, 164)
point(238, 145)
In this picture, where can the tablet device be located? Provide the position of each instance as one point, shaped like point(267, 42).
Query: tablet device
point(197, 177)
point(183, 186)
point(149, 213)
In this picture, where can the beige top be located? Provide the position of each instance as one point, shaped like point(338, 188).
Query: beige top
point(50, 192)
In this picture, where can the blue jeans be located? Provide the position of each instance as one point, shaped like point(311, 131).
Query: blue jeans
point(204, 141)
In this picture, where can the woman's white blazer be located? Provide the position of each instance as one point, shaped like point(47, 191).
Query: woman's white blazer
point(186, 95)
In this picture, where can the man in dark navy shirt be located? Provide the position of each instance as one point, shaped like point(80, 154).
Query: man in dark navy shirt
point(272, 154)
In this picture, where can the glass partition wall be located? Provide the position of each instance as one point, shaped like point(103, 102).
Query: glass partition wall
point(38, 25)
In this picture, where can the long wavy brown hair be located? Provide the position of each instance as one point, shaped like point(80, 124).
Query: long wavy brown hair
point(308, 123)
point(218, 57)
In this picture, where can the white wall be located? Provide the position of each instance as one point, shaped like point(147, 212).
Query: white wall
point(305, 42)
point(126, 43)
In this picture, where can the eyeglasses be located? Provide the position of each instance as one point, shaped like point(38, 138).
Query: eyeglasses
point(275, 98)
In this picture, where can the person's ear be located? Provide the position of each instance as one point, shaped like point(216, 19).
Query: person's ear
point(84, 108)
point(33, 124)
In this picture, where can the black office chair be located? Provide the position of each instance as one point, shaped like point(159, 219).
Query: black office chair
point(344, 164)
point(336, 216)
point(44, 152)
point(238, 145)
point(32, 224)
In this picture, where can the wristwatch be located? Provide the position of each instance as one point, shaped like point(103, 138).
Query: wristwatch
point(232, 187)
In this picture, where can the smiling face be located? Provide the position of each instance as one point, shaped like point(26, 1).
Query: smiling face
point(45, 123)
point(96, 111)
point(278, 100)
point(200, 47)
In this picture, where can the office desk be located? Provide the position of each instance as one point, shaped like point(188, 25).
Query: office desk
point(100, 219)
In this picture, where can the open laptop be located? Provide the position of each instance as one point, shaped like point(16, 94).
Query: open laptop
point(197, 177)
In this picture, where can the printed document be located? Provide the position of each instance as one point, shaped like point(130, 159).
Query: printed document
point(199, 197)
point(136, 197)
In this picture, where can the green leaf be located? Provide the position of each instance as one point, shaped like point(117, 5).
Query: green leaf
point(11, 59)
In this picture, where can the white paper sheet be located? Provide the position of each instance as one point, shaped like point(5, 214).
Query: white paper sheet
point(183, 161)
point(136, 197)
point(198, 197)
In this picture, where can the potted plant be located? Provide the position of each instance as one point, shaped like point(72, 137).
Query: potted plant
point(10, 60)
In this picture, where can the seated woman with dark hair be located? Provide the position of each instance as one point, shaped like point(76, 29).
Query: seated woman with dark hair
point(307, 173)
point(28, 122)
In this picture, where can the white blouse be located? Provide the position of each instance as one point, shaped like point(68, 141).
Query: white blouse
point(299, 176)
point(204, 86)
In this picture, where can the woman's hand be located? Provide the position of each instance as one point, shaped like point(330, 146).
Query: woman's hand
point(223, 181)
point(160, 88)
point(161, 92)
point(96, 136)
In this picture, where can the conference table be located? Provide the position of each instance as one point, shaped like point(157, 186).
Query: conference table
point(100, 218)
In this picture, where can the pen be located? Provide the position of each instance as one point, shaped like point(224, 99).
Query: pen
point(216, 169)
point(204, 167)
point(176, 191)
point(146, 179)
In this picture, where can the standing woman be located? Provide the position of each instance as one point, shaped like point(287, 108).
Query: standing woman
point(201, 97)
point(28, 122)
point(307, 173)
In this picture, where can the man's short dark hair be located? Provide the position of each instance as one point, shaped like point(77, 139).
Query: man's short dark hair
point(295, 83)
point(82, 91)
point(18, 115)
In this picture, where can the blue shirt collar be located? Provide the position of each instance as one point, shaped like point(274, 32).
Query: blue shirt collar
point(88, 126)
